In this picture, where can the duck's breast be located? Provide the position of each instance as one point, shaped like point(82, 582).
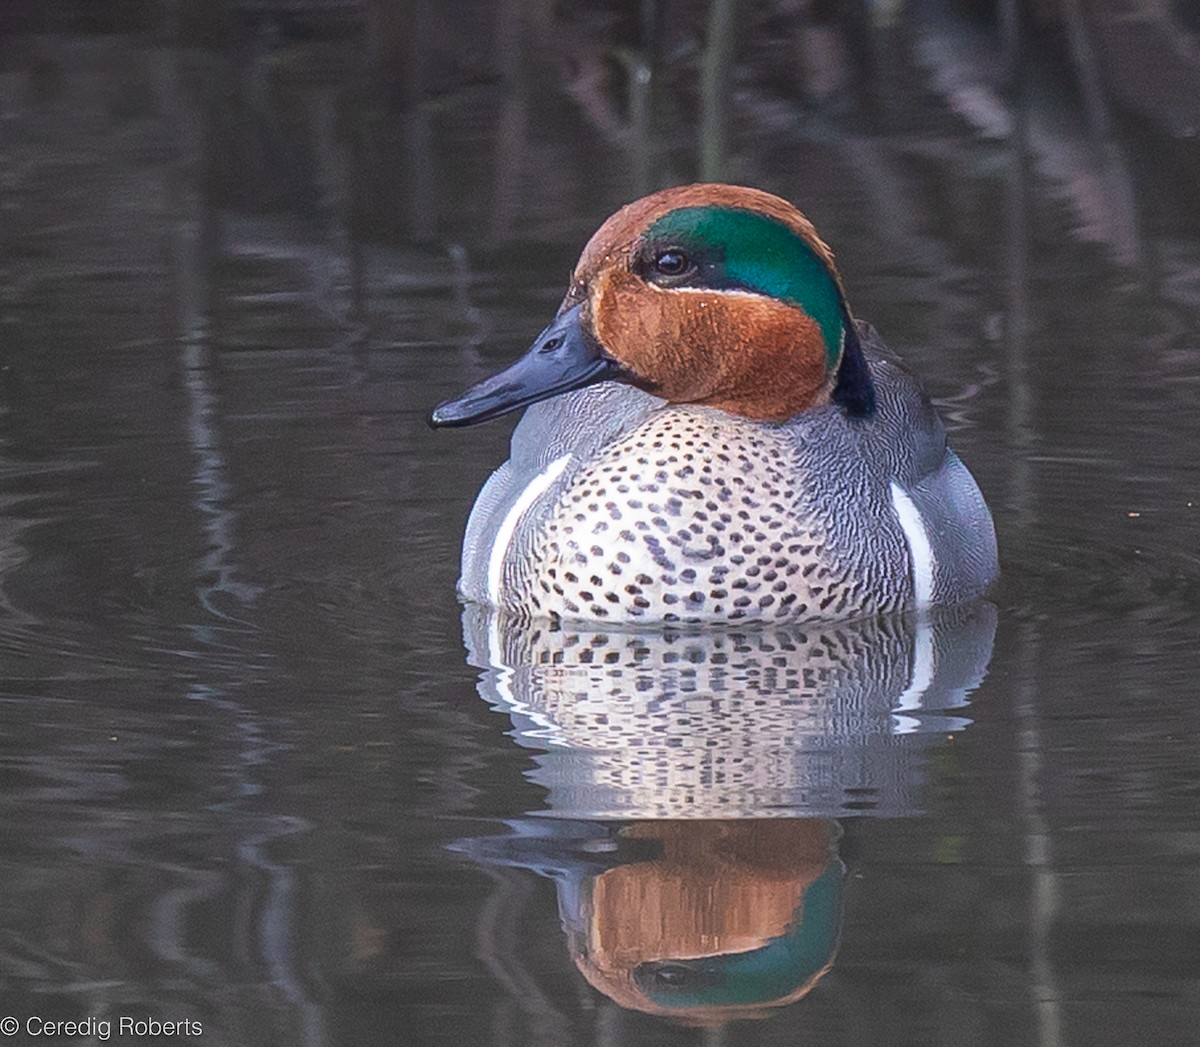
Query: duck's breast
point(617, 507)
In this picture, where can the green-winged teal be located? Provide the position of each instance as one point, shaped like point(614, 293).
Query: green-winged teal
point(711, 438)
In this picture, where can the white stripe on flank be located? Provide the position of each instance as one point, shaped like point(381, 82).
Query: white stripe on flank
point(919, 549)
point(504, 536)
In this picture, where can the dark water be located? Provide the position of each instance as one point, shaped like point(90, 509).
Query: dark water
point(249, 777)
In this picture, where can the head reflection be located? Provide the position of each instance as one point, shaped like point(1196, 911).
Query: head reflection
point(727, 919)
point(694, 781)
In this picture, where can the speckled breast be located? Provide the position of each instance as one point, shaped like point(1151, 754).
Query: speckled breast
point(694, 516)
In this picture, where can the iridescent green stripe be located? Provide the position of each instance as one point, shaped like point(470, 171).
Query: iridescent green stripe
point(763, 255)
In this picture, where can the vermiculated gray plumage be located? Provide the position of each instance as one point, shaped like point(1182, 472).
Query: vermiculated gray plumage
point(680, 513)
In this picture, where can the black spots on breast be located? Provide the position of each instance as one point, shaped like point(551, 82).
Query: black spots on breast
point(690, 517)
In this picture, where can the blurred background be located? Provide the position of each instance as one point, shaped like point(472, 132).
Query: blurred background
point(246, 774)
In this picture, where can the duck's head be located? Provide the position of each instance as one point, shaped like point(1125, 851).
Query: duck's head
point(716, 295)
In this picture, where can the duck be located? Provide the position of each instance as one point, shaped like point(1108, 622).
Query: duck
point(709, 436)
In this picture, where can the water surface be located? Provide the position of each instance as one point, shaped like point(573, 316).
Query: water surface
point(255, 773)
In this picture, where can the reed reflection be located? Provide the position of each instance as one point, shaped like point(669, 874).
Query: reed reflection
point(694, 781)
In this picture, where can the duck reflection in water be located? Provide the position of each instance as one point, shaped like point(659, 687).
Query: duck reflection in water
point(819, 720)
point(693, 782)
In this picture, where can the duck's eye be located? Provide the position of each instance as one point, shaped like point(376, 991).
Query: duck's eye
point(671, 262)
